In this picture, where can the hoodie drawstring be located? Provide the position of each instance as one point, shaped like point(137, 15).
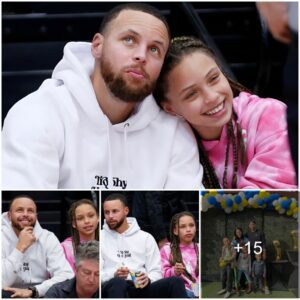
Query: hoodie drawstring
point(126, 126)
point(109, 153)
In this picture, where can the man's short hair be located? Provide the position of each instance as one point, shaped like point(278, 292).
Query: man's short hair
point(137, 6)
point(87, 251)
point(20, 196)
point(117, 196)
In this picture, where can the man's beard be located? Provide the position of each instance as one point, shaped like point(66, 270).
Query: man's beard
point(121, 89)
point(116, 225)
point(18, 227)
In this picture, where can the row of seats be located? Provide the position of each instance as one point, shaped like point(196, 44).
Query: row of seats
point(34, 34)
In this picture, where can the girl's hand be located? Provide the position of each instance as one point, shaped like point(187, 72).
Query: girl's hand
point(179, 269)
point(142, 279)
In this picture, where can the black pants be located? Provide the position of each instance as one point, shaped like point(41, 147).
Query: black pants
point(172, 287)
point(6, 294)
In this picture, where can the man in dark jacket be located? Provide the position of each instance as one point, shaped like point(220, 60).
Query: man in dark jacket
point(85, 284)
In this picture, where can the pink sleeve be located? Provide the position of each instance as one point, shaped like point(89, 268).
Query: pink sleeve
point(269, 159)
point(69, 253)
point(167, 268)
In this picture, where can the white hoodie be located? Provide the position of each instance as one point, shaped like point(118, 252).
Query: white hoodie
point(41, 265)
point(58, 137)
point(134, 249)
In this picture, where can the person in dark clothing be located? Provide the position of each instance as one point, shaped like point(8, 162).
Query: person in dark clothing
point(85, 284)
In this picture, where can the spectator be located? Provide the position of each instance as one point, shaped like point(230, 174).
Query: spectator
point(32, 257)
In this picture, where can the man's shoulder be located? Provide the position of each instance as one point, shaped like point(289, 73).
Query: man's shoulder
point(64, 289)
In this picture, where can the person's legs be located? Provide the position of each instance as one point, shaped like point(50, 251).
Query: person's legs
point(114, 288)
point(172, 287)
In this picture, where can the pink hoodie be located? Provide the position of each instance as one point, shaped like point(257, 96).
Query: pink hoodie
point(188, 256)
point(69, 252)
point(268, 158)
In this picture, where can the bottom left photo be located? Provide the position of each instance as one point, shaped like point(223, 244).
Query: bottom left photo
point(50, 244)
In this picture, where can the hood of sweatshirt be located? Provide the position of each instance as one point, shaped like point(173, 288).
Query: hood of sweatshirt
point(133, 228)
point(9, 233)
point(74, 71)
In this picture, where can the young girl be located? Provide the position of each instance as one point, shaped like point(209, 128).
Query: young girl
point(227, 263)
point(242, 138)
point(83, 215)
point(180, 257)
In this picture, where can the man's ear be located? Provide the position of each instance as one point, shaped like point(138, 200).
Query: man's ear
point(97, 45)
point(126, 209)
point(167, 107)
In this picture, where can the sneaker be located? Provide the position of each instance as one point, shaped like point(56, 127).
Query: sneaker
point(267, 291)
point(221, 292)
point(227, 295)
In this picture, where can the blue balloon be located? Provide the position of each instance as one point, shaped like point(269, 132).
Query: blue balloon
point(229, 202)
point(260, 202)
point(238, 199)
point(203, 193)
point(212, 200)
point(273, 197)
point(286, 204)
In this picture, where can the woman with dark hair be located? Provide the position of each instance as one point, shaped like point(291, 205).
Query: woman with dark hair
point(84, 219)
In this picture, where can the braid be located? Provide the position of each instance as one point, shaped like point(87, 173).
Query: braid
point(176, 256)
point(210, 179)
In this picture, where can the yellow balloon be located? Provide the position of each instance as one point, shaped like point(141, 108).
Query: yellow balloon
point(293, 205)
point(277, 207)
point(289, 212)
point(244, 202)
point(264, 194)
point(213, 193)
point(234, 207)
point(223, 203)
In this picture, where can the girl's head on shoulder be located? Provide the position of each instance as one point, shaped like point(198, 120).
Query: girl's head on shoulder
point(192, 85)
point(183, 228)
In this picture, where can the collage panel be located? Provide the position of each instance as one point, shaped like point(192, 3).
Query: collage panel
point(150, 244)
point(50, 244)
point(252, 251)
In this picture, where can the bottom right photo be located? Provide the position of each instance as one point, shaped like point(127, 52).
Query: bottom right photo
point(249, 244)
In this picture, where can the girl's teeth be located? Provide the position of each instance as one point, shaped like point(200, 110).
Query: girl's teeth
point(215, 110)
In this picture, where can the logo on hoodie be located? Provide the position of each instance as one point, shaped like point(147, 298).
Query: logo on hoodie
point(103, 181)
point(123, 253)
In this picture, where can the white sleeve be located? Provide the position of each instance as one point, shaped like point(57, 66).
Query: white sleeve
point(11, 266)
point(57, 266)
point(185, 171)
point(30, 155)
point(153, 262)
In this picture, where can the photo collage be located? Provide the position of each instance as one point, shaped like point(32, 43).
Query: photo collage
point(150, 150)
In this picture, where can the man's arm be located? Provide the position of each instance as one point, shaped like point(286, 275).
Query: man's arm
point(185, 170)
point(57, 265)
point(11, 265)
point(30, 152)
point(152, 263)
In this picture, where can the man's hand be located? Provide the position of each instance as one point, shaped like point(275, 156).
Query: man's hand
point(19, 293)
point(26, 239)
point(275, 15)
point(179, 269)
point(122, 272)
point(142, 279)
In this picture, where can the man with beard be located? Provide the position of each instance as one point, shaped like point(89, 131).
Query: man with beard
point(32, 257)
point(130, 259)
point(95, 124)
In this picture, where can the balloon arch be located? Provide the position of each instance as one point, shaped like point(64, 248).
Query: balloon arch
point(231, 203)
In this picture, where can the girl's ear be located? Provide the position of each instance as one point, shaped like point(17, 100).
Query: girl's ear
point(175, 230)
point(97, 45)
point(167, 107)
point(74, 224)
